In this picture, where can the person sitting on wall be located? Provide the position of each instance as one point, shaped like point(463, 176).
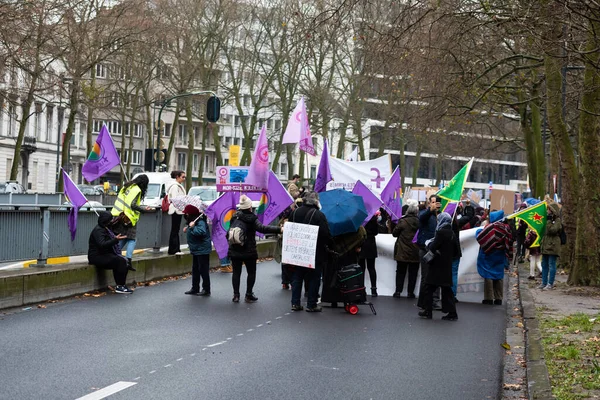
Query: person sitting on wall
point(104, 251)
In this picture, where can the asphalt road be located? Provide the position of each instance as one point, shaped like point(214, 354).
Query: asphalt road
point(171, 346)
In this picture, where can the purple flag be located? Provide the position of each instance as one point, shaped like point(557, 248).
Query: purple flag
point(324, 172)
point(220, 213)
point(416, 236)
point(76, 198)
point(372, 202)
point(298, 129)
point(451, 209)
point(391, 195)
point(273, 202)
point(258, 173)
point(102, 158)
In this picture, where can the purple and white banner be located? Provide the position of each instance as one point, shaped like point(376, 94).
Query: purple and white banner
point(375, 174)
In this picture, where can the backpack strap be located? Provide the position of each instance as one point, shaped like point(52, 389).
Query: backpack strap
point(311, 216)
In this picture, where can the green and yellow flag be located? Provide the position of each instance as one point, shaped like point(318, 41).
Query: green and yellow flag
point(453, 191)
point(535, 217)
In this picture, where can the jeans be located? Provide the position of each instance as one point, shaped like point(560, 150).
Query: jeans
point(174, 235)
point(455, 264)
point(200, 268)
point(128, 245)
point(313, 278)
point(369, 263)
point(548, 266)
point(236, 263)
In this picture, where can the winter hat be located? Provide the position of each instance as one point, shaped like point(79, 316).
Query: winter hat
point(245, 203)
point(191, 211)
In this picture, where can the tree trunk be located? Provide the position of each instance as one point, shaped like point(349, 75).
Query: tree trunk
point(124, 133)
point(214, 130)
point(560, 135)
point(89, 142)
point(26, 108)
point(402, 159)
point(342, 140)
point(586, 268)
point(189, 167)
point(173, 135)
point(66, 149)
point(132, 126)
point(538, 145)
point(415, 173)
point(359, 137)
point(205, 134)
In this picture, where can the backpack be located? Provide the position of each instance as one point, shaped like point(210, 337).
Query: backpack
point(491, 238)
point(165, 203)
point(563, 236)
point(236, 235)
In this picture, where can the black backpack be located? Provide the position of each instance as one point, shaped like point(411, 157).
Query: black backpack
point(236, 235)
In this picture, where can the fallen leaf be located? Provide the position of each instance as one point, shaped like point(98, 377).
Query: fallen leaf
point(577, 331)
point(511, 386)
point(86, 295)
point(519, 325)
point(505, 345)
point(41, 306)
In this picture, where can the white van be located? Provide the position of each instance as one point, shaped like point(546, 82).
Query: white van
point(157, 182)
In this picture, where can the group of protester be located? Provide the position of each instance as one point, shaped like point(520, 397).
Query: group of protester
point(427, 240)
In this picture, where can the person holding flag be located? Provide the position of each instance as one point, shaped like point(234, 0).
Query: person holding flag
point(127, 211)
point(550, 246)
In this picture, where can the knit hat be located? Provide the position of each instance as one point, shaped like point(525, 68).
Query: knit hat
point(245, 203)
point(192, 211)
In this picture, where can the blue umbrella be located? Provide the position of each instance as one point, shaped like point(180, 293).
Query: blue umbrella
point(531, 201)
point(344, 210)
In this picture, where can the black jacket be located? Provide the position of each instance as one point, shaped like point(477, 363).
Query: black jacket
point(440, 269)
point(405, 250)
point(101, 243)
point(311, 215)
point(253, 225)
point(369, 246)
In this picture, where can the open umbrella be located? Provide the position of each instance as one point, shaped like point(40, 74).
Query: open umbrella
point(182, 201)
point(344, 210)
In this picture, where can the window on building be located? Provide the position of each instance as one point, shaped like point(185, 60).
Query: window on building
point(313, 171)
point(283, 169)
point(101, 71)
point(49, 118)
point(37, 123)
point(182, 134)
point(277, 124)
point(12, 120)
point(181, 161)
point(195, 162)
point(167, 130)
point(82, 133)
point(139, 130)
point(246, 100)
point(136, 157)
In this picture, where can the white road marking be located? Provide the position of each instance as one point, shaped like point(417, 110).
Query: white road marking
point(192, 355)
point(287, 313)
point(179, 359)
point(151, 372)
point(168, 365)
point(268, 322)
point(138, 378)
point(204, 349)
point(215, 344)
point(240, 334)
point(249, 330)
point(259, 325)
point(278, 317)
point(229, 338)
point(107, 391)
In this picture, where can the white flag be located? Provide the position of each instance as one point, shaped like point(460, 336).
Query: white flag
point(354, 155)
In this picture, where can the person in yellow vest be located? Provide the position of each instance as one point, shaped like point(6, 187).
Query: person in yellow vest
point(127, 211)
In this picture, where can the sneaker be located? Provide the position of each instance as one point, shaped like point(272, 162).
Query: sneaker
point(498, 302)
point(373, 292)
point(236, 298)
point(251, 298)
point(487, 302)
point(285, 286)
point(204, 293)
point(450, 317)
point(192, 292)
point(123, 289)
point(314, 309)
point(542, 286)
point(227, 269)
point(297, 307)
point(425, 314)
point(548, 287)
point(396, 295)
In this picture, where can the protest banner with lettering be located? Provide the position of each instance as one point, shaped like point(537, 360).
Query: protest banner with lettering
point(375, 174)
point(233, 179)
point(299, 244)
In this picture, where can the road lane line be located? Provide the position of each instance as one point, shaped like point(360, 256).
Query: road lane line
point(287, 313)
point(278, 317)
point(249, 330)
point(259, 325)
point(240, 334)
point(107, 391)
point(153, 371)
point(168, 365)
point(192, 355)
point(179, 359)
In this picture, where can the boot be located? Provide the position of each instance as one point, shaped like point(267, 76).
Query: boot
point(129, 266)
point(373, 292)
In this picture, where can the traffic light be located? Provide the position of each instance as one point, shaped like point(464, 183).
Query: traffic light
point(213, 109)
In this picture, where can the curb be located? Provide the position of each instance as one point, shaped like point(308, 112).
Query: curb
point(538, 381)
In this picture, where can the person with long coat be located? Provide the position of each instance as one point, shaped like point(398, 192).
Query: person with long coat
point(550, 247)
point(175, 189)
point(443, 245)
point(198, 239)
point(406, 253)
point(368, 253)
point(247, 254)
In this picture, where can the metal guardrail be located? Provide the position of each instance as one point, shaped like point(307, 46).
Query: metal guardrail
point(48, 199)
point(43, 232)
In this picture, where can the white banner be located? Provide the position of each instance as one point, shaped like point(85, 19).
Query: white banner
point(469, 281)
point(373, 173)
point(299, 244)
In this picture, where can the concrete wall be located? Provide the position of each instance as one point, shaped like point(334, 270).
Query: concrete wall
point(34, 285)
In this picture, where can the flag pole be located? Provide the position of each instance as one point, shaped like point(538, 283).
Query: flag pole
point(124, 173)
point(91, 206)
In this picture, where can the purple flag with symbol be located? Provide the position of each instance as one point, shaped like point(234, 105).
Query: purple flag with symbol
point(298, 129)
point(258, 173)
point(102, 158)
point(274, 201)
point(76, 198)
point(220, 213)
point(391, 195)
point(324, 172)
point(372, 202)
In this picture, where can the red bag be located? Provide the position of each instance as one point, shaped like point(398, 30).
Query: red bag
point(165, 203)
point(491, 238)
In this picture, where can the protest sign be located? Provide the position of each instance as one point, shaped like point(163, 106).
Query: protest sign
point(299, 244)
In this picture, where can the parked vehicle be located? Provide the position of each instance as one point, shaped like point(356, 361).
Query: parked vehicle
point(89, 206)
point(89, 190)
point(208, 194)
point(11, 187)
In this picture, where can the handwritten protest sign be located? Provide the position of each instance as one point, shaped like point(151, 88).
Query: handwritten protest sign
point(299, 244)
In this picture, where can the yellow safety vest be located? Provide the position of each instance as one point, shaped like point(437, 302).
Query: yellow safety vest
point(123, 203)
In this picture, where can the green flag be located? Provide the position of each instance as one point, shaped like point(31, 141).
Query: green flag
point(453, 191)
point(535, 217)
